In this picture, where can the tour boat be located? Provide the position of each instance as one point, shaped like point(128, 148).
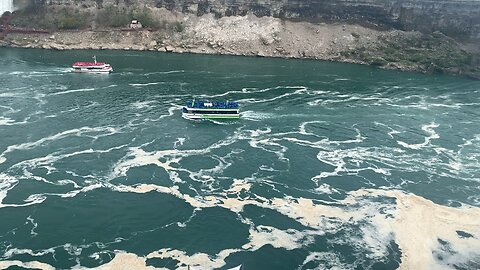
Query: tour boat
point(89, 67)
point(198, 110)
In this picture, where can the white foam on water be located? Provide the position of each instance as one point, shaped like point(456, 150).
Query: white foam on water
point(267, 169)
point(16, 251)
point(83, 131)
point(173, 175)
point(267, 235)
point(238, 186)
point(27, 265)
point(256, 116)
point(165, 72)
point(224, 122)
point(326, 189)
point(359, 100)
point(429, 129)
point(303, 127)
point(178, 142)
point(251, 91)
point(269, 145)
point(145, 84)
point(85, 189)
point(171, 111)
point(47, 161)
point(467, 158)
point(259, 237)
point(7, 183)
point(72, 91)
point(66, 182)
point(73, 249)
point(199, 261)
point(259, 132)
point(408, 221)
point(138, 157)
point(254, 101)
point(346, 160)
point(208, 175)
point(392, 130)
point(325, 261)
point(377, 228)
point(375, 238)
point(34, 224)
point(139, 105)
point(123, 261)
point(418, 220)
point(4, 121)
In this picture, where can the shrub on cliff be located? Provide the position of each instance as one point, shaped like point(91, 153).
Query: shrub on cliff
point(71, 22)
point(77, 20)
point(32, 16)
point(51, 18)
point(179, 27)
point(66, 19)
point(6, 14)
point(114, 16)
point(144, 15)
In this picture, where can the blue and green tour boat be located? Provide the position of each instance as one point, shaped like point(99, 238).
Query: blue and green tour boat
point(198, 109)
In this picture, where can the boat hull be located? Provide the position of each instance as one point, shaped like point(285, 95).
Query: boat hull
point(100, 71)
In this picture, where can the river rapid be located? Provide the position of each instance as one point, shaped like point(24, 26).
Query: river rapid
point(331, 166)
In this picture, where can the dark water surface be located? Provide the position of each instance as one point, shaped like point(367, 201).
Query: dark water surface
point(330, 165)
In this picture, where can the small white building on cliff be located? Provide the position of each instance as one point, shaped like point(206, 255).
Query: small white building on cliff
point(135, 24)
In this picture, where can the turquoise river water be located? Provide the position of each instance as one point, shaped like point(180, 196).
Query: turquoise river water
point(331, 166)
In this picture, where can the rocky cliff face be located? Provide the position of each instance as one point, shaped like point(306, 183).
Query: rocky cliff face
point(456, 18)
point(221, 29)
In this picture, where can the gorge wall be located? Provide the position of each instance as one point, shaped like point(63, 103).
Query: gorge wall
point(354, 31)
point(456, 18)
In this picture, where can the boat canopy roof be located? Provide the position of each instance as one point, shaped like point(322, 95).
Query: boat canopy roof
point(88, 64)
point(211, 104)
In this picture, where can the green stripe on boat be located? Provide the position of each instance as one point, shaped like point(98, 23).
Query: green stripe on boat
point(219, 117)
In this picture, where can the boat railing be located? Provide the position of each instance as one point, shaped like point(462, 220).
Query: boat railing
point(212, 104)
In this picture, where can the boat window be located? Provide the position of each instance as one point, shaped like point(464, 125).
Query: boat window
point(214, 112)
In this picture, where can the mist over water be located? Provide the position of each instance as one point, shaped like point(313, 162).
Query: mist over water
point(6, 5)
point(330, 165)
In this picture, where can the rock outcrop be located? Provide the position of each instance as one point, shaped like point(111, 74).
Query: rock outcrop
point(455, 18)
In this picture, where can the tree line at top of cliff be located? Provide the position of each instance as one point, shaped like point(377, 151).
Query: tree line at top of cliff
point(64, 18)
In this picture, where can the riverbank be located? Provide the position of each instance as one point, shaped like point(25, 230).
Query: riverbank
point(272, 37)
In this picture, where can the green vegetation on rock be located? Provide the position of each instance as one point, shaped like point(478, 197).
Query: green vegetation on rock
point(115, 16)
point(60, 18)
point(429, 53)
point(53, 18)
point(179, 27)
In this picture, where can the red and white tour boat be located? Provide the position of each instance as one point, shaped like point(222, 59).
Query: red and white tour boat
point(89, 67)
